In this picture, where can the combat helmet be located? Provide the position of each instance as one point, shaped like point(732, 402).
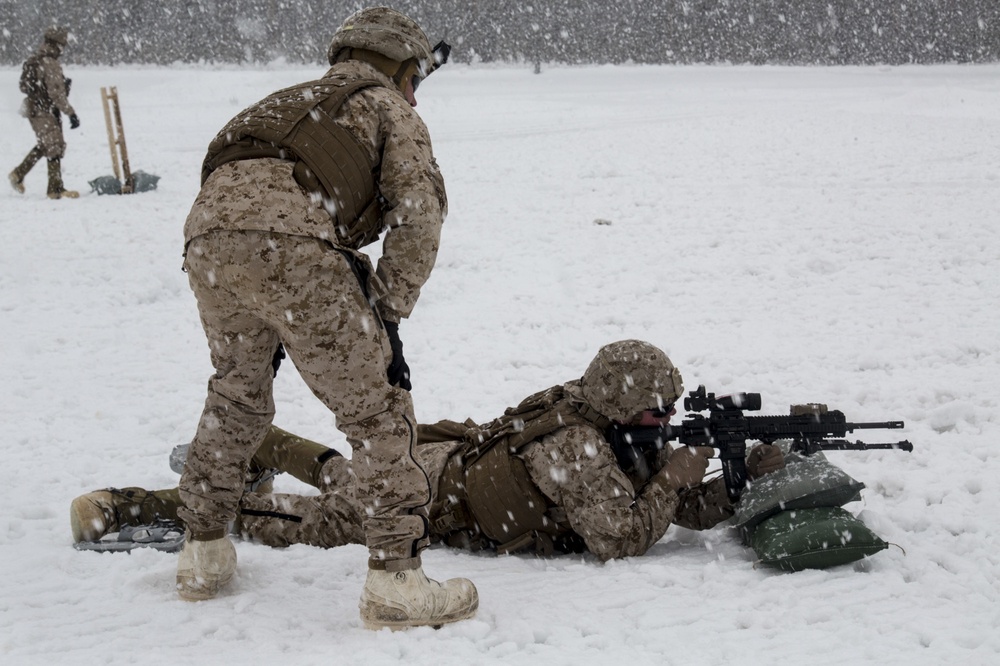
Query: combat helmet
point(58, 36)
point(389, 40)
point(629, 376)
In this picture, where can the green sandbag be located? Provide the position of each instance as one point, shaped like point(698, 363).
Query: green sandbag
point(805, 482)
point(813, 539)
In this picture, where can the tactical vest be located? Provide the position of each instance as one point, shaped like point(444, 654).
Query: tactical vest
point(297, 124)
point(489, 492)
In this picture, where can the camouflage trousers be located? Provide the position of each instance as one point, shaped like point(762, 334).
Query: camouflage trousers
point(49, 132)
point(254, 290)
point(335, 516)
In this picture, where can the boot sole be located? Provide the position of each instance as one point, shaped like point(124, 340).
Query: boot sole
point(437, 623)
point(201, 593)
point(75, 524)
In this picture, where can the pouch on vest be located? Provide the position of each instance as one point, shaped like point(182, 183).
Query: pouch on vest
point(493, 482)
point(506, 504)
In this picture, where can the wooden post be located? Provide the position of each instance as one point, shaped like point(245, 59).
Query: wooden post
point(111, 134)
point(116, 138)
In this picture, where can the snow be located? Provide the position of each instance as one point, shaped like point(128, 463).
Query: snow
point(812, 234)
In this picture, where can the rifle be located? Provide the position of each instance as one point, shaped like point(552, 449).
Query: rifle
point(811, 428)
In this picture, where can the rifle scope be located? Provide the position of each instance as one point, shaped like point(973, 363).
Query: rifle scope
point(699, 401)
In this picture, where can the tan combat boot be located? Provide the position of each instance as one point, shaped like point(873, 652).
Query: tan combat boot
point(56, 189)
point(21, 170)
point(400, 599)
point(102, 512)
point(16, 182)
point(204, 568)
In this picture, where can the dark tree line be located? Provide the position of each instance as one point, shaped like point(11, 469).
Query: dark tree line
point(553, 31)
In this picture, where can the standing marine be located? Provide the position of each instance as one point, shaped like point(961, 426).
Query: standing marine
point(292, 188)
point(47, 97)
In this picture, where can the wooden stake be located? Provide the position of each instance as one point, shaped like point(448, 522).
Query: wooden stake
point(116, 138)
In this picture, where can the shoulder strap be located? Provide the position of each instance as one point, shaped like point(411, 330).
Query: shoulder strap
point(296, 124)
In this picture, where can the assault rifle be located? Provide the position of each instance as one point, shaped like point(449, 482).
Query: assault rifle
point(811, 428)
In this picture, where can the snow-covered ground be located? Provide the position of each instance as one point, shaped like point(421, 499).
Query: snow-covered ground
point(826, 235)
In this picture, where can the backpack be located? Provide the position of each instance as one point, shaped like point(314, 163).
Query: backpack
point(31, 77)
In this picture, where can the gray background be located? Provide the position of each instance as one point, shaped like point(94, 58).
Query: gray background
point(558, 31)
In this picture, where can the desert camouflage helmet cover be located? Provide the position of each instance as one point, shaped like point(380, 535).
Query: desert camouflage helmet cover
point(57, 36)
point(629, 376)
point(385, 31)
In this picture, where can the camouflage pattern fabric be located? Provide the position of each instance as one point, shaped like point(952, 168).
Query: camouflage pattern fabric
point(332, 518)
point(264, 267)
point(409, 180)
point(255, 288)
point(629, 376)
point(574, 467)
point(43, 110)
point(49, 132)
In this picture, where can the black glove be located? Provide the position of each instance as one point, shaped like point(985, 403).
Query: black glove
point(279, 354)
point(399, 372)
point(74, 121)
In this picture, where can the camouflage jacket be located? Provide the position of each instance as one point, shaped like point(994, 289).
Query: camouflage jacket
point(409, 181)
point(54, 94)
point(586, 495)
point(576, 469)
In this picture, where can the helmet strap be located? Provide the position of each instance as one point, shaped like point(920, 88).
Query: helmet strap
point(406, 70)
point(395, 70)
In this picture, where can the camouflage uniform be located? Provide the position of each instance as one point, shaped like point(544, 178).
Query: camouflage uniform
point(542, 476)
point(567, 471)
point(42, 108)
point(574, 468)
point(267, 263)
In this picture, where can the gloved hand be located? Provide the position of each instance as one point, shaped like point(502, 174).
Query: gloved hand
point(279, 354)
point(399, 372)
point(764, 459)
point(74, 121)
point(685, 468)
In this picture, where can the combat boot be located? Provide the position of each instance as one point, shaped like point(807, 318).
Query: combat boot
point(102, 512)
point(204, 568)
point(400, 599)
point(56, 189)
point(16, 182)
point(18, 174)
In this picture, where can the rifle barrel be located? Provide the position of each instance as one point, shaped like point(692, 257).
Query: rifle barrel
point(888, 425)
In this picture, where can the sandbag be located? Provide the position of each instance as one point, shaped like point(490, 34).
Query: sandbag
point(805, 482)
point(141, 182)
point(813, 539)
